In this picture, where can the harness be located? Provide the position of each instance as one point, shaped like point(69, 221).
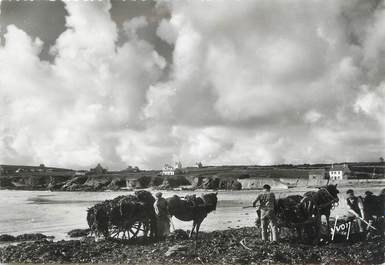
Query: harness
point(208, 203)
point(205, 202)
point(301, 213)
point(330, 199)
point(334, 202)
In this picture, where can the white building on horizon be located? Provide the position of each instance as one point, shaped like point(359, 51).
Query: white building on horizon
point(168, 170)
point(339, 172)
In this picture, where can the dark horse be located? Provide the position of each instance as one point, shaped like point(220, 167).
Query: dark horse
point(298, 211)
point(185, 211)
point(325, 208)
point(315, 204)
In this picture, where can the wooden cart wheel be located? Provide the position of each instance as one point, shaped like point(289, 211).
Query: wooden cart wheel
point(135, 229)
point(128, 231)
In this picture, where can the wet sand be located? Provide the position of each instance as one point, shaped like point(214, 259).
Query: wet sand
point(56, 213)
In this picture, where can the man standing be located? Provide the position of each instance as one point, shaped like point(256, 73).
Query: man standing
point(371, 206)
point(266, 202)
point(163, 219)
point(382, 201)
point(356, 206)
point(382, 209)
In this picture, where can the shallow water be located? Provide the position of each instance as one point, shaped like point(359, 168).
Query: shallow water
point(56, 213)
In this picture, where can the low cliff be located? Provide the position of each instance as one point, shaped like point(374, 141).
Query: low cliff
point(116, 182)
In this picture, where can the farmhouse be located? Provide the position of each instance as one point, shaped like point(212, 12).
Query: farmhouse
point(168, 170)
point(339, 172)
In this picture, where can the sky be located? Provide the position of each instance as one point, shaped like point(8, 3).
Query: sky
point(145, 83)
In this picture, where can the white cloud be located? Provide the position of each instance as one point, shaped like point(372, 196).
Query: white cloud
point(68, 112)
point(259, 67)
point(166, 31)
point(250, 82)
point(312, 116)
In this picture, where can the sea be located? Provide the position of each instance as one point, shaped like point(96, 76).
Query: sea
point(56, 213)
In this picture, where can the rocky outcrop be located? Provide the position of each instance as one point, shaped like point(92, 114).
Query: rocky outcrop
point(6, 182)
point(74, 183)
point(210, 182)
point(79, 232)
point(171, 182)
point(97, 182)
point(257, 183)
point(215, 182)
point(23, 237)
point(116, 182)
point(141, 182)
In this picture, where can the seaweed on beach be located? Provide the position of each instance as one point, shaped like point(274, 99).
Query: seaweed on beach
point(124, 214)
point(234, 246)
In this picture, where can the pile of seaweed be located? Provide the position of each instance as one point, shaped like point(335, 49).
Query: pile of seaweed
point(120, 212)
point(234, 246)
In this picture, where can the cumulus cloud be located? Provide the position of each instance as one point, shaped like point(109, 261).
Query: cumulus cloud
point(250, 82)
point(291, 70)
point(68, 112)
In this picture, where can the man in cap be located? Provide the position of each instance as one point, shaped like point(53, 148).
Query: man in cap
point(356, 206)
point(374, 213)
point(266, 201)
point(163, 218)
point(370, 205)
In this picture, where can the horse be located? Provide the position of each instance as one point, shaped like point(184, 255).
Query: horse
point(185, 211)
point(324, 209)
point(312, 204)
point(297, 211)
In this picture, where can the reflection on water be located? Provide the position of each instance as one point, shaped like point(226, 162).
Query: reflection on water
point(56, 213)
point(39, 200)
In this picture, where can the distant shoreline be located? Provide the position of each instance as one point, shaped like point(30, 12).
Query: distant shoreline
point(345, 184)
point(191, 178)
